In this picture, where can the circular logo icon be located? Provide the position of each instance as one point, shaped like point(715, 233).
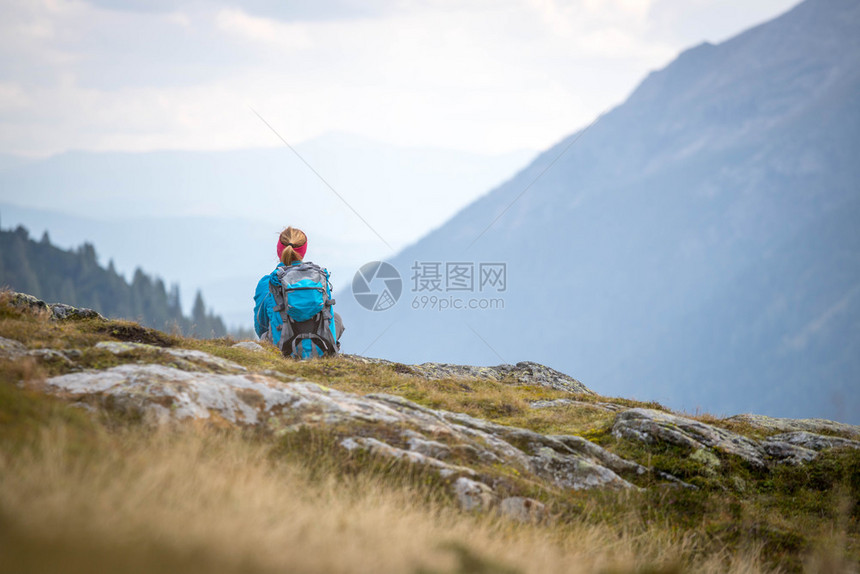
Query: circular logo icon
point(377, 286)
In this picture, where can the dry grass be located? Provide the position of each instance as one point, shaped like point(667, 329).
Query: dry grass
point(197, 496)
point(84, 493)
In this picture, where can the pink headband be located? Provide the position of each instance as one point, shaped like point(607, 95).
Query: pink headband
point(300, 250)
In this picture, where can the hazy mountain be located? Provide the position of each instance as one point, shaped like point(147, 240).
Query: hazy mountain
point(383, 182)
point(698, 245)
point(209, 220)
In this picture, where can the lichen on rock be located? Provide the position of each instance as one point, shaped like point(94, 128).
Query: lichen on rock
point(651, 426)
point(187, 359)
point(783, 425)
point(58, 311)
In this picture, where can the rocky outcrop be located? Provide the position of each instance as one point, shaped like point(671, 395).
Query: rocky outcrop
point(780, 425)
point(186, 359)
point(13, 350)
point(188, 384)
point(814, 441)
point(601, 406)
point(649, 425)
point(525, 372)
point(58, 311)
point(652, 426)
point(175, 384)
point(477, 458)
point(801, 446)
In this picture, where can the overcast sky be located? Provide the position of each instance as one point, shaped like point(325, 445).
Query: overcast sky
point(485, 75)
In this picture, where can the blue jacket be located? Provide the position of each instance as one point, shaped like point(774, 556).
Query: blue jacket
point(265, 316)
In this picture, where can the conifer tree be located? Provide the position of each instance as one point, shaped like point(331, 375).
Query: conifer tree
point(76, 278)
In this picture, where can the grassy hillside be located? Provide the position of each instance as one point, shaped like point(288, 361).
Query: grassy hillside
point(95, 487)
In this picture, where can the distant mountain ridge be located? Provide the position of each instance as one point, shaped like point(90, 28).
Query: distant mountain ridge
point(263, 184)
point(211, 219)
point(698, 245)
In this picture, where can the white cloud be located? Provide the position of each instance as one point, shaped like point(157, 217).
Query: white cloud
point(12, 96)
point(484, 76)
point(613, 42)
point(264, 30)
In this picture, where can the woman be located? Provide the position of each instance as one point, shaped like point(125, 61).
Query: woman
point(293, 308)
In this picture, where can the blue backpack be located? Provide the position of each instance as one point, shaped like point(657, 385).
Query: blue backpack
point(303, 299)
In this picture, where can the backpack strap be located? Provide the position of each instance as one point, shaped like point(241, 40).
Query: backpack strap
point(326, 331)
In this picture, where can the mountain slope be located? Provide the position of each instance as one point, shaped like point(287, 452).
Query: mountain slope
point(673, 250)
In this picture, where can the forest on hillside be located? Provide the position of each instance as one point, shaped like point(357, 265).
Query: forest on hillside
point(76, 278)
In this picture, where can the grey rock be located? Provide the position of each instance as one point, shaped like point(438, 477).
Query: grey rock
point(58, 311)
point(187, 394)
point(812, 441)
point(429, 448)
point(565, 461)
point(651, 426)
point(522, 509)
point(51, 355)
point(547, 404)
point(11, 349)
point(399, 402)
point(190, 359)
point(575, 472)
point(248, 345)
point(28, 302)
point(525, 372)
point(380, 448)
point(788, 453)
point(795, 447)
point(470, 452)
point(63, 312)
point(474, 495)
point(782, 425)
point(205, 359)
point(609, 460)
